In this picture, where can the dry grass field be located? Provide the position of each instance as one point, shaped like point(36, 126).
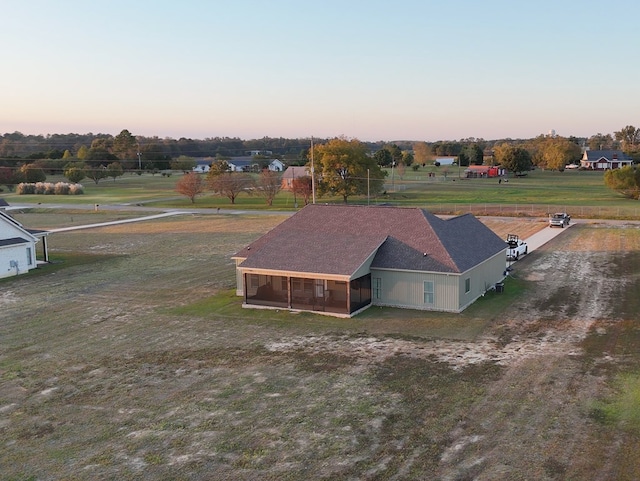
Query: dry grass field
point(130, 358)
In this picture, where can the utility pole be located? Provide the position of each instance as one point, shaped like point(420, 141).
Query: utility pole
point(313, 175)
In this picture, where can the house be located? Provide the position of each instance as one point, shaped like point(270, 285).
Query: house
point(250, 164)
point(293, 172)
point(18, 246)
point(604, 159)
point(340, 260)
point(202, 166)
point(261, 153)
point(479, 171)
point(276, 165)
point(445, 161)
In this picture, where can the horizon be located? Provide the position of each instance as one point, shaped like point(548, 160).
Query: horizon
point(422, 70)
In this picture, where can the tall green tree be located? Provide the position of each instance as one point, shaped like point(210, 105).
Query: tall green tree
point(514, 159)
point(183, 163)
point(114, 170)
point(600, 142)
point(125, 145)
point(343, 167)
point(383, 158)
point(471, 154)
point(625, 181)
point(629, 138)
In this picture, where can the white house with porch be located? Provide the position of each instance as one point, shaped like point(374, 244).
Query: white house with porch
point(18, 246)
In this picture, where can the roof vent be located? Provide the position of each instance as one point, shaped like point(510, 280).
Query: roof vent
point(424, 254)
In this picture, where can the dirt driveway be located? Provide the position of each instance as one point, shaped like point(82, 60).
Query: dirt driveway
point(123, 365)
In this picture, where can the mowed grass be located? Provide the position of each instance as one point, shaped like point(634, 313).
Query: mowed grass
point(132, 359)
point(582, 193)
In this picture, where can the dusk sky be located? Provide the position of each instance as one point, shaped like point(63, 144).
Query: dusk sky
point(372, 70)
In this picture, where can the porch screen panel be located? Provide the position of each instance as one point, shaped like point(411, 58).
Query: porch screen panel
point(360, 292)
point(265, 290)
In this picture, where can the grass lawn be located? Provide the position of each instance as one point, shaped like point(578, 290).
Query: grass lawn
point(581, 193)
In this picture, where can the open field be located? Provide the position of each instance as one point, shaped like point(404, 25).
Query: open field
point(581, 193)
point(130, 358)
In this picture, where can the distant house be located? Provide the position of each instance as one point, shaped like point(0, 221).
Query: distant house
point(250, 164)
point(339, 260)
point(18, 246)
point(292, 173)
point(604, 159)
point(480, 171)
point(202, 166)
point(445, 160)
point(262, 153)
point(276, 165)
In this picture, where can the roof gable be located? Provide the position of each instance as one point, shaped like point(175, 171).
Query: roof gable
point(11, 228)
point(336, 239)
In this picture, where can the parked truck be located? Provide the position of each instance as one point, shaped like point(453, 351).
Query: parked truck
point(516, 247)
point(559, 219)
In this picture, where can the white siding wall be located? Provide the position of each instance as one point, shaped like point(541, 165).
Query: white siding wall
point(17, 253)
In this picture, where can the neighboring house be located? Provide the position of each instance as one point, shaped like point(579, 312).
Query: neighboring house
point(339, 260)
point(18, 246)
point(249, 164)
point(479, 171)
point(446, 160)
point(604, 159)
point(293, 172)
point(202, 166)
point(276, 165)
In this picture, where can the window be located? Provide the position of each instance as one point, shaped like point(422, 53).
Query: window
point(467, 285)
point(428, 292)
point(29, 256)
point(377, 287)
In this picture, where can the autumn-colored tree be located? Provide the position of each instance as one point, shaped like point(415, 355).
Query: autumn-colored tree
point(268, 185)
point(556, 152)
point(190, 185)
point(230, 184)
point(422, 153)
point(303, 186)
point(344, 168)
point(32, 173)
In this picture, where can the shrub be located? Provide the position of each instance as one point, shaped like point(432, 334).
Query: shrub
point(76, 189)
point(49, 188)
point(61, 188)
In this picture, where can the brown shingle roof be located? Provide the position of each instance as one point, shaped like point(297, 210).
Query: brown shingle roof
point(338, 239)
